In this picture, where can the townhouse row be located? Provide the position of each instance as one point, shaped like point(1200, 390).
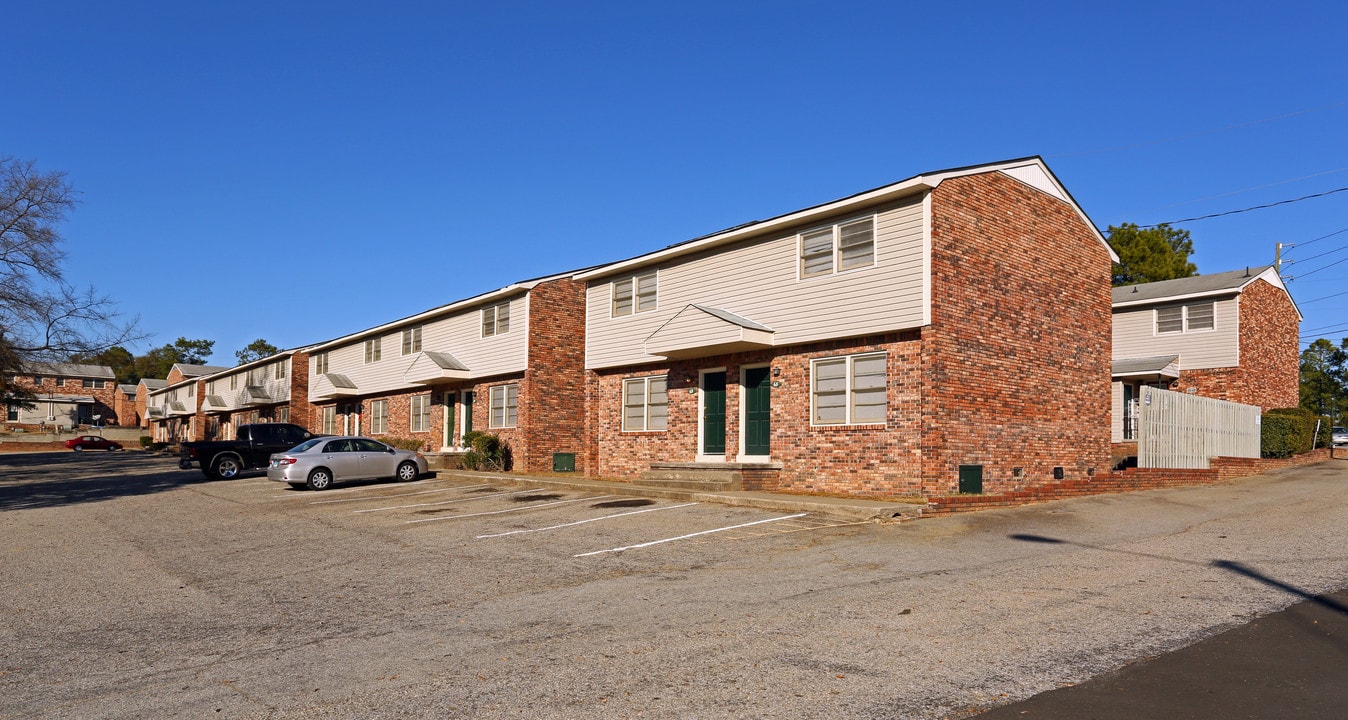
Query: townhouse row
point(945, 332)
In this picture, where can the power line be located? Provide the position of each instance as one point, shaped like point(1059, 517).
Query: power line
point(1323, 267)
point(1248, 209)
point(1308, 302)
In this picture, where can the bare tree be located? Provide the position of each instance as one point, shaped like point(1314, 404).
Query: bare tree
point(42, 317)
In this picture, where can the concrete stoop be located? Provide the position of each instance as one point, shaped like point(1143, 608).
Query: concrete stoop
point(707, 477)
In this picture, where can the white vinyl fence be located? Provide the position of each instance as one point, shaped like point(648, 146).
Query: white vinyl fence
point(1176, 430)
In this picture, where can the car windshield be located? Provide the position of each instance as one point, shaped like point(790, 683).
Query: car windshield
point(306, 445)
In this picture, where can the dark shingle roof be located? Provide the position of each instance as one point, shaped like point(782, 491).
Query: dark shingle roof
point(1229, 281)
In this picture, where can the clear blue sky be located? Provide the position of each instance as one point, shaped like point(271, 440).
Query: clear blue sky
point(299, 171)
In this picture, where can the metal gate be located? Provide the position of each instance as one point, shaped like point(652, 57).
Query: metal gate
point(1176, 430)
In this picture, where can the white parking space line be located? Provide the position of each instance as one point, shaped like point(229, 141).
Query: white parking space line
point(507, 510)
point(396, 495)
point(299, 492)
point(445, 502)
point(582, 522)
point(690, 535)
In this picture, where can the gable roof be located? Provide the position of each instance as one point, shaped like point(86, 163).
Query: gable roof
point(1230, 282)
point(1029, 170)
point(192, 371)
point(70, 370)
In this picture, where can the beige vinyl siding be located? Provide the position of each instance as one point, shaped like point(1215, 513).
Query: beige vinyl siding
point(759, 280)
point(1116, 411)
point(1135, 336)
point(277, 390)
point(459, 334)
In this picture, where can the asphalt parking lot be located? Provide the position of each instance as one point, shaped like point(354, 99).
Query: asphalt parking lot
point(135, 589)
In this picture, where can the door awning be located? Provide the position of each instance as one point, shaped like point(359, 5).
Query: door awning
point(701, 331)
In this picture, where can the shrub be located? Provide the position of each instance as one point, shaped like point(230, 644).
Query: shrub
point(487, 453)
point(1287, 431)
point(413, 444)
point(146, 441)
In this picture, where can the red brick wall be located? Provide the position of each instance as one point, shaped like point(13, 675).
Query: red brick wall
point(1270, 358)
point(301, 410)
point(106, 398)
point(1017, 358)
point(552, 394)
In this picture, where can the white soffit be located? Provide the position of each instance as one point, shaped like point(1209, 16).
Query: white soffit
point(1035, 177)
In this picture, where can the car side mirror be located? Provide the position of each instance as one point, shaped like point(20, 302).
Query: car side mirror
point(390, 451)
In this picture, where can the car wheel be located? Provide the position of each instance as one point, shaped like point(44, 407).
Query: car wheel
point(407, 471)
point(319, 479)
point(79, 448)
point(113, 447)
point(226, 467)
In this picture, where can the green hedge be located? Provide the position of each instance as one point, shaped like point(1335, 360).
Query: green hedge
point(1288, 431)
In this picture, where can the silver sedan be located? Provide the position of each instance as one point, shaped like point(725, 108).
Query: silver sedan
point(321, 461)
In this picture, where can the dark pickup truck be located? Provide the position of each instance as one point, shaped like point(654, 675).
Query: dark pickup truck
point(225, 459)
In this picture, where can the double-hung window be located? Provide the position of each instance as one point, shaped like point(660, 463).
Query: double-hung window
point(329, 424)
point(634, 294)
point(836, 248)
point(504, 405)
point(378, 416)
point(645, 404)
point(281, 369)
point(496, 320)
point(321, 364)
point(1184, 318)
point(421, 413)
point(849, 390)
point(412, 340)
point(373, 350)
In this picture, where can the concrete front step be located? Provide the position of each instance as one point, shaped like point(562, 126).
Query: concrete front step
point(710, 477)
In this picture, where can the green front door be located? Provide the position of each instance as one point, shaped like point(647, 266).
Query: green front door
point(757, 412)
point(713, 413)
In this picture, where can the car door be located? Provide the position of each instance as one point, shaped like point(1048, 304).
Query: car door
point(375, 459)
point(341, 458)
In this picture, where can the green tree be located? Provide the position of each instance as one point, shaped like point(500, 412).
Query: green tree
point(1150, 254)
point(43, 318)
point(256, 350)
point(1324, 378)
point(122, 362)
point(157, 362)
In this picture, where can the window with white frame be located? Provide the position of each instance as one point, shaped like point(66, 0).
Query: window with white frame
point(504, 405)
point(635, 294)
point(329, 423)
point(848, 390)
point(60, 382)
point(282, 413)
point(1184, 318)
point(412, 340)
point(836, 248)
point(233, 382)
point(421, 413)
point(282, 368)
point(374, 349)
point(645, 404)
point(321, 364)
point(496, 319)
point(378, 416)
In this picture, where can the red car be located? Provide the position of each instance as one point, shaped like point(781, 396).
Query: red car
point(92, 442)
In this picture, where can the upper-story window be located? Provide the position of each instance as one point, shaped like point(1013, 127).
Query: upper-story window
point(60, 382)
point(634, 294)
point(1184, 318)
point(233, 382)
point(321, 364)
point(496, 320)
point(282, 368)
point(412, 340)
point(833, 249)
point(37, 379)
point(373, 350)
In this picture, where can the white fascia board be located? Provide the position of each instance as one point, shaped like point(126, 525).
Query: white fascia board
point(1178, 298)
point(428, 315)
